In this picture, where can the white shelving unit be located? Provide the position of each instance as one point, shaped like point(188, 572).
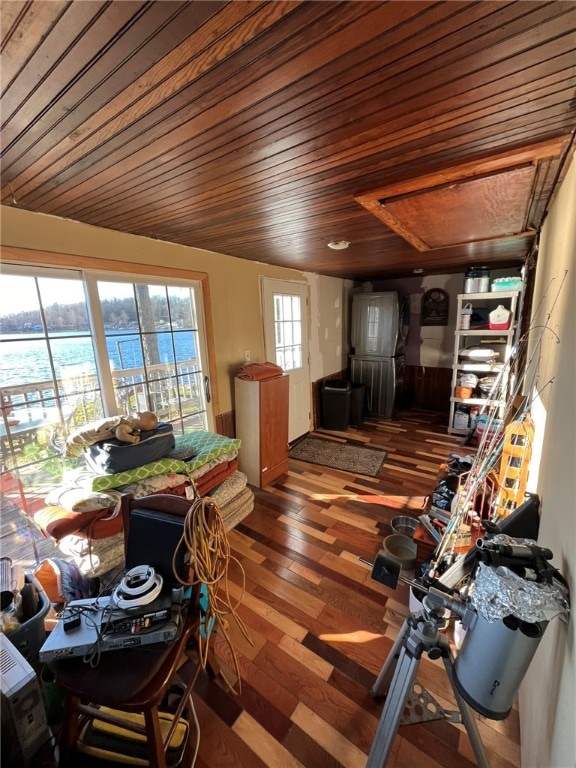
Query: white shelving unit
point(501, 341)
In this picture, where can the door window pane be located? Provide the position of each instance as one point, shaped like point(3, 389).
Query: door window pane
point(288, 331)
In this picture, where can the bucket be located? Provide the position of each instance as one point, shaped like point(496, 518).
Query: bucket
point(402, 549)
point(470, 280)
point(465, 316)
point(477, 280)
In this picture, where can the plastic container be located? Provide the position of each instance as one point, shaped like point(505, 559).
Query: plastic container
point(477, 280)
point(500, 318)
point(404, 525)
point(495, 430)
point(335, 397)
point(507, 284)
point(461, 419)
point(357, 404)
point(470, 280)
point(468, 380)
point(30, 635)
point(402, 549)
point(483, 280)
point(465, 317)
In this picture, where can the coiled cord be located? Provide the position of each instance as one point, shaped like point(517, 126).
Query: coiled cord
point(206, 540)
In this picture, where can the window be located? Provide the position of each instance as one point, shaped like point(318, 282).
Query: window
point(288, 331)
point(77, 346)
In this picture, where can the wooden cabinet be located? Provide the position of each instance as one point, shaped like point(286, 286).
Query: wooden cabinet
point(262, 426)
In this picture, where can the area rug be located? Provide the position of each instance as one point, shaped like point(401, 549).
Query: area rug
point(350, 458)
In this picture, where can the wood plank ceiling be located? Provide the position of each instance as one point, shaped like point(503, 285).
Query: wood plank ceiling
point(250, 128)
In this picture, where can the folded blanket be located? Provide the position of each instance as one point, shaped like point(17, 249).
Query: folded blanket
point(216, 476)
point(94, 558)
point(237, 509)
point(58, 522)
point(195, 474)
point(229, 489)
point(155, 484)
point(209, 449)
point(80, 500)
point(259, 371)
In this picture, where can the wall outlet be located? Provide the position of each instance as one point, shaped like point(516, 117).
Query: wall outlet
point(247, 355)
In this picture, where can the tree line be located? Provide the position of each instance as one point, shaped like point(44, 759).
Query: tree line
point(118, 313)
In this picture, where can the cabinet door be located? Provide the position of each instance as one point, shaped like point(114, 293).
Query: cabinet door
point(273, 428)
point(375, 323)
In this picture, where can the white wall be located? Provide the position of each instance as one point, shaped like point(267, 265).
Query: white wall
point(547, 695)
point(329, 319)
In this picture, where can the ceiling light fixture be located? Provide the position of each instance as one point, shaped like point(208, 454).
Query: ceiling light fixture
point(338, 245)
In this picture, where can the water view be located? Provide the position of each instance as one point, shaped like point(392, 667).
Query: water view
point(24, 357)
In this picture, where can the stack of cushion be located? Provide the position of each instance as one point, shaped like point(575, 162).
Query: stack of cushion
point(83, 515)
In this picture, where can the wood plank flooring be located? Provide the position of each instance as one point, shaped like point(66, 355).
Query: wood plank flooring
point(321, 628)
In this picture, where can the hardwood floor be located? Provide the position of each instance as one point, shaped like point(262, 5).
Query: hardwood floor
point(321, 628)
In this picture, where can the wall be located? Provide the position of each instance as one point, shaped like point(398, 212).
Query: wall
point(329, 323)
point(547, 696)
point(432, 346)
point(234, 287)
point(429, 348)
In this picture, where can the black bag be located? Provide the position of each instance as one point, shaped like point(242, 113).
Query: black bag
point(112, 456)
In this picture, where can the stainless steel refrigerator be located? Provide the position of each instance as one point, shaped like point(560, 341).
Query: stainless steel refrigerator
point(379, 332)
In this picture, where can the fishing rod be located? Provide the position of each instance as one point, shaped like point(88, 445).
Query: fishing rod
point(474, 478)
point(492, 442)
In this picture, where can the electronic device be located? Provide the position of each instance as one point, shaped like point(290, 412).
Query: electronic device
point(104, 627)
point(154, 538)
point(24, 723)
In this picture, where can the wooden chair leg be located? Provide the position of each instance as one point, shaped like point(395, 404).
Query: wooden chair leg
point(155, 742)
point(69, 729)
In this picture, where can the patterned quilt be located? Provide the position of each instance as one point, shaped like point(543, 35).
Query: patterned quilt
point(205, 447)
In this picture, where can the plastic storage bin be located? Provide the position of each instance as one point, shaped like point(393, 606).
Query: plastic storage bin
point(507, 284)
point(357, 404)
point(335, 399)
point(30, 635)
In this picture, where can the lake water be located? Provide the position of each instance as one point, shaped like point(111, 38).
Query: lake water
point(24, 358)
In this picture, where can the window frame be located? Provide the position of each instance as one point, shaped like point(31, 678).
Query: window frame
point(90, 270)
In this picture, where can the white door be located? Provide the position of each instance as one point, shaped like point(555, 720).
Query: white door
point(285, 313)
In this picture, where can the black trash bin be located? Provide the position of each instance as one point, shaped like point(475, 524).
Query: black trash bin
point(335, 397)
point(357, 404)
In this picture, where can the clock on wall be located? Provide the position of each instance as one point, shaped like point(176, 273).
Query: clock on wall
point(434, 307)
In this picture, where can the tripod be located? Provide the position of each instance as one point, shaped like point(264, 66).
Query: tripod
point(419, 634)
